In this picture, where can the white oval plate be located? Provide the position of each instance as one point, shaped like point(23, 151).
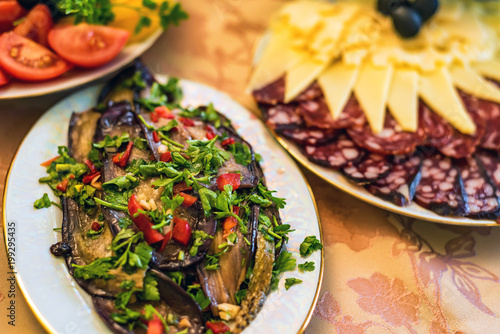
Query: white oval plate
point(61, 305)
point(77, 76)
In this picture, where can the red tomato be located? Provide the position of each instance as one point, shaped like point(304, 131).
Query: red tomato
point(229, 178)
point(26, 60)
point(87, 45)
point(217, 327)
point(181, 232)
point(188, 200)
point(10, 11)
point(4, 79)
point(36, 25)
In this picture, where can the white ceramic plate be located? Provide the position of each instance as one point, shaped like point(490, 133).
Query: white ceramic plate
point(61, 305)
point(77, 77)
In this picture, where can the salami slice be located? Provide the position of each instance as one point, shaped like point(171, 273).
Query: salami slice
point(310, 136)
point(440, 187)
point(274, 93)
point(373, 167)
point(336, 154)
point(482, 199)
point(390, 140)
point(438, 132)
point(282, 116)
point(490, 112)
point(316, 113)
point(400, 184)
point(491, 165)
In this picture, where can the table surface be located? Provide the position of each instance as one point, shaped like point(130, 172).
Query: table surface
point(383, 273)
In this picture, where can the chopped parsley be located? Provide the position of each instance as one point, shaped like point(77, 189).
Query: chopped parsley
point(309, 245)
point(45, 202)
point(306, 266)
point(289, 282)
point(284, 262)
point(241, 153)
point(116, 141)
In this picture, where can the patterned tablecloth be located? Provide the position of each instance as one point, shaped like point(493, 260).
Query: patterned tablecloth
point(383, 273)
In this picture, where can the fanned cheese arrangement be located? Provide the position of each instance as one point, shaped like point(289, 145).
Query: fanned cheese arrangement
point(402, 97)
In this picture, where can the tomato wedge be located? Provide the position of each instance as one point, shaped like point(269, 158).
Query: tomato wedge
point(4, 79)
point(87, 45)
point(36, 25)
point(9, 12)
point(26, 60)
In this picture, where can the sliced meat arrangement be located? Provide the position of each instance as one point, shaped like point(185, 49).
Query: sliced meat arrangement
point(399, 185)
point(373, 167)
point(435, 166)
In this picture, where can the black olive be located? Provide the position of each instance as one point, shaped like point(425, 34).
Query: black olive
point(386, 7)
point(426, 8)
point(407, 21)
point(60, 248)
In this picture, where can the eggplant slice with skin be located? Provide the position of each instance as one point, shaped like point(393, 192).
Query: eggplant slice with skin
point(173, 300)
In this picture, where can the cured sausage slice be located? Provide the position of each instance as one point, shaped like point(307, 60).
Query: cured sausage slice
point(490, 112)
point(390, 140)
point(399, 185)
point(337, 154)
point(491, 165)
point(282, 117)
point(316, 113)
point(310, 136)
point(373, 167)
point(482, 199)
point(274, 93)
point(440, 188)
point(438, 132)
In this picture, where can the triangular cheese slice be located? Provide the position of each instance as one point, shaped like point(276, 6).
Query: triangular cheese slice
point(488, 69)
point(301, 76)
point(337, 83)
point(403, 98)
point(278, 56)
point(471, 83)
point(372, 90)
point(437, 90)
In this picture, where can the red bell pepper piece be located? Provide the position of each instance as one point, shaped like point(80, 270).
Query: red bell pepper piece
point(210, 135)
point(227, 141)
point(155, 326)
point(48, 162)
point(218, 327)
point(166, 157)
point(143, 222)
point(154, 117)
point(91, 166)
point(165, 241)
point(63, 185)
point(164, 112)
point(182, 231)
point(181, 186)
point(71, 176)
point(229, 224)
point(229, 178)
point(89, 177)
point(188, 199)
point(121, 159)
point(156, 138)
point(186, 121)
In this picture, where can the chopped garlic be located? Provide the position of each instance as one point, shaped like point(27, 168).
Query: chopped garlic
point(228, 311)
point(145, 205)
point(162, 149)
point(152, 204)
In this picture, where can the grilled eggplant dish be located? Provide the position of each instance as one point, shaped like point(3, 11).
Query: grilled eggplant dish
point(167, 220)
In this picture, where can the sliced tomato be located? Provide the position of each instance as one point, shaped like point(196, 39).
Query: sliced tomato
point(188, 200)
point(26, 60)
point(87, 45)
point(4, 78)
point(36, 25)
point(182, 231)
point(229, 178)
point(10, 11)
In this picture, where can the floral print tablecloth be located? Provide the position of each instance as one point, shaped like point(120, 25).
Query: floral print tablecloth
point(384, 273)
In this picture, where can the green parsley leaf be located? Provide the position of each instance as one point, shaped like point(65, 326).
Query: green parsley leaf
point(116, 141)
point(289, 282)
point(241, 153)
point(199, 297)
point(43, 202)
point(141, 143)
point(150, 290)
point(240, 295)
point(95, 158)
point(309, 245)
point(97, 269)
point(266, 193)
point(122, 182)
point(307, 266)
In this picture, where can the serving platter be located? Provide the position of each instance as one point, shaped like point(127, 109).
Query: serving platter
point(57, 300)
point(77, 76)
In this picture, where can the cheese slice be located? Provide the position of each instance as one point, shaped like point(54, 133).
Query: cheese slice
point(305, 15)
point(437, 90)
point(278, 56)
point(403, 98)
point(372, 90)
point(471, 83)
point(301, 76)
point(488, 69)
point(337, 83)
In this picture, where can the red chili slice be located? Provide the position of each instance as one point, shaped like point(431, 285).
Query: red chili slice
point(143, 222)
point(210, 135)
point(186, 121)
point(164, 112)
point(181, 186)
point(182, 231)
point(155, 326)
point(156, 138)
point(217, 327)
point(166, 157)
point(227, 141)
point(48, 162)
point(89, 177)
point(188, 199)
point(63, 185)
point(154, 117)
point(229, 178)
point(165, 241)
point(121, 159)
point(91, 166)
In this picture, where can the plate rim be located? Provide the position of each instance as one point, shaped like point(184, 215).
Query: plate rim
point(148, 43)
point(388, 206)
point(19, 281)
